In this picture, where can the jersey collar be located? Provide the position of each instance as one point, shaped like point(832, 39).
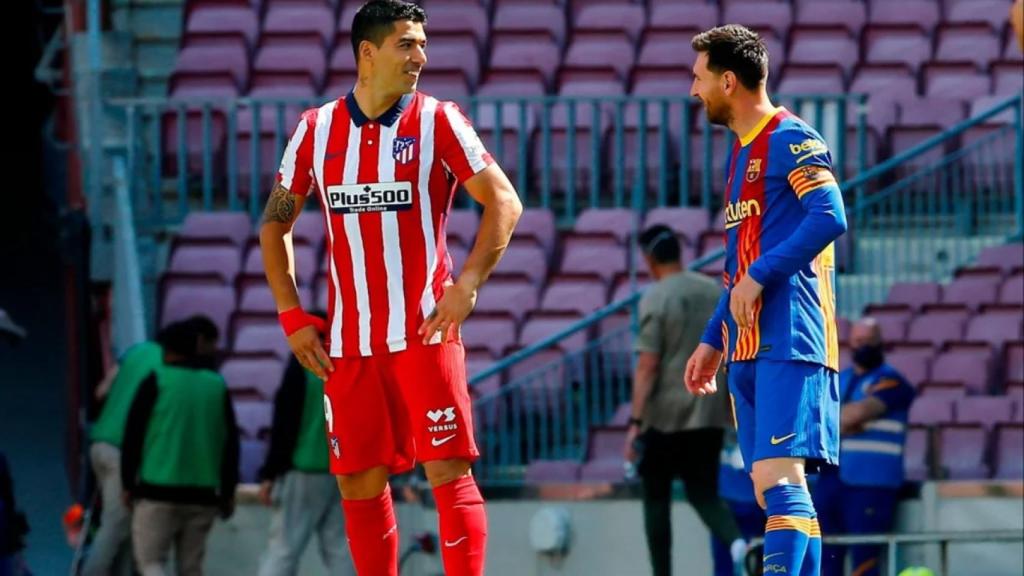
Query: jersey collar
point(388, 118)
point(756, 130)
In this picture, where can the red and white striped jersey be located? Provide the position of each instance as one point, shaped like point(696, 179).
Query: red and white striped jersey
point(386, 186)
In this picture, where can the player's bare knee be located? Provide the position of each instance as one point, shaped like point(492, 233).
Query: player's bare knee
point(440, 472)
point(363, 485)
point(772, 472)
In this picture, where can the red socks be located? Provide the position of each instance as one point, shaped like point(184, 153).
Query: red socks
point(372, 534)
point(463, 525)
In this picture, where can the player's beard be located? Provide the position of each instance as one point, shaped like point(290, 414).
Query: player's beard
point(718, 114)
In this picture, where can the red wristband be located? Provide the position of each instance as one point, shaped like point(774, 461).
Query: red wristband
point(294, 320)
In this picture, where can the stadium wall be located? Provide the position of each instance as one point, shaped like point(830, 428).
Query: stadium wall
point(607, 536)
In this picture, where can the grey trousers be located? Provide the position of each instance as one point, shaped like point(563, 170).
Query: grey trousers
point(305, 504)
point(111, 552)
point(157, 527)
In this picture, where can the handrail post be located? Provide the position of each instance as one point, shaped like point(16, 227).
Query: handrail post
point(1018, 163)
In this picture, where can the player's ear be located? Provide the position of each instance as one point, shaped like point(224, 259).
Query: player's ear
point(367, 50)
point(729, 82)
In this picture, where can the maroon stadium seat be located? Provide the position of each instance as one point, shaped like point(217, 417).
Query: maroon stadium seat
point(617, 222)
point(662, 50)
point(515, 297)
point(540, 326)
point(230, 227)
point(680, 16)
point(1007, 79)
point(309, 229)
point(602, 17)
point(261, 376)
point(823, 46)
point(531, 17)
point(969, 367)
point(690, 222)
point(494, 332)
point(513, 83)
point(892, 320)
point(224, 19)
point(266, 338)
point(307, 17)
point(254, 417)
point(903, 45)
point(526, 260)
point(1013, 363)
point(220, 260)
point(525, 52)
point(761, 15)
point(962, 452)
point(920, 13)
point(930, 112)
point(188, 298)
point(989, 12)
point(1010, 452)
point(996, 325)
point(938, 325)
point(600, 50)
point(912, 361)
point(538, 224)
point(604, 455)
point(288, 56)
point(972, 290)
point(258, 299)
point(552, 472)
point(851, 15)
point(884, 81)
point(915, 454)
point(305, 264)
point(811, 80)
point(214, 55)
point(1005, 256)
point(452, 17)
point(986, 411)
point(954, 81)
point(463, 224)
point(1012, 290)
point(931, 411)
point(603, 256)
point(579, 295)
point(455, 54)
point(969, 43)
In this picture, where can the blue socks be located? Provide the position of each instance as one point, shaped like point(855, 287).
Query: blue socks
point(792, 538)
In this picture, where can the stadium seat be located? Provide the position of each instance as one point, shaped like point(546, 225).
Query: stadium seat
point(254, 417)
point(294, 17)
point(617, 222)
point(840, 13)
point(973, 289)
point(552, 472)
point(309, 229)
point(954, 81)
point(494, 332)
point(580, 295)
point(901, 45)
point(938, 325)
point(823, 46)
point(514, 129)
point(454, 54)
point(538, 224)
point(915, 454)
point(662, 50)
point(222, 261)
point(186, 298)
point(305, 264)
point(600, 51)
point(286, 59)
point(923, 14)
point(892, 320)
point(819, 79)
point(985, 411)
point(931, 411)
point(605, 17)
point(1009, 455)
point(531, 17)
point(912, 361)
point(970, 43)
point(524, 260)
point(511, 82)
point(265, 338)
point(462, 224)
point(914, 294)
point(690, 222)
point(1013, 364)
point(222, 19)
point(260, 376)
point(989, 12)
point(930, 112)
point(604, 455)
point(515, 297)
point(232, 227)
point(252, 455)
point(1007, 79)
point(1005, 256)
point(761, 15)
point(454, 17)
point(214, 55)
point(884, 81)
point(258, 299)
point(964, 366)
point(540, 326)
point(996, 325)
point(688, 17)
point(1012, 290)
point(603, 256)
point(962, 452)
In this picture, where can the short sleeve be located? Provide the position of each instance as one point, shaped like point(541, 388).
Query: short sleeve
point(458, 144)
point(296, 172)
point(649, 337)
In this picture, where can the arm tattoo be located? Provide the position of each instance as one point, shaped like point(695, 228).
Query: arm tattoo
point(280, 206)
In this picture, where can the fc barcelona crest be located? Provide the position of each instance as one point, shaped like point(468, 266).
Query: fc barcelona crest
point(754, 169)
point(404, 149)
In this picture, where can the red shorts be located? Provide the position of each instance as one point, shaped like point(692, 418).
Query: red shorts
point(392, 409)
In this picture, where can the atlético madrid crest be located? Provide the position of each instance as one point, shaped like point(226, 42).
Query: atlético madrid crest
point(753, 169)
point(404, 149)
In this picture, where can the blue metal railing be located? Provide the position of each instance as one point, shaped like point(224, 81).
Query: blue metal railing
point(563, 153)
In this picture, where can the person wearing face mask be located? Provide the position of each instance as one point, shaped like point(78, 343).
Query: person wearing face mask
point(179, 460)
point(860, 497)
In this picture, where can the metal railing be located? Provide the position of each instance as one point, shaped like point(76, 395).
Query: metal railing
point(565, 153)
point(928, 211)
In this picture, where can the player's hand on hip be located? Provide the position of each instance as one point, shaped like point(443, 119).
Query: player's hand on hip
point(309, 349)
point(701, 369)
point(451, 310)
point(743, 299)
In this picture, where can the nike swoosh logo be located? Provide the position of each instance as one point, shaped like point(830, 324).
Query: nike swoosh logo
point(435, 442)
point(765, 559)
point(777, 441)
point(389, 532)
point(456, 543)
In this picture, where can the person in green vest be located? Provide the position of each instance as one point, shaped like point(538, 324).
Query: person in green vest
point(296, 481)
point(111, 551)
point(179, 459)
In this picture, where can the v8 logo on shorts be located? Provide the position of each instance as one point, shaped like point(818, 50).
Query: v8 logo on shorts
point(435, 416)
point(370, 197)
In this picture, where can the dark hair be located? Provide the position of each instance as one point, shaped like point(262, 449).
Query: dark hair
point(660, 243)
point(376, 20)
point(735, 48)
point(203, 326)
point(179, 338)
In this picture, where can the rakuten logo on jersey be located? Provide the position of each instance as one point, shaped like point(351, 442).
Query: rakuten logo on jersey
point(737, 212)
point(376, 197)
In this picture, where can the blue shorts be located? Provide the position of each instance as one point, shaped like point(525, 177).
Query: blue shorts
point(785, 410)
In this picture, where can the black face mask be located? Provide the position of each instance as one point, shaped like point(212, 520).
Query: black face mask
point(869, 357)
